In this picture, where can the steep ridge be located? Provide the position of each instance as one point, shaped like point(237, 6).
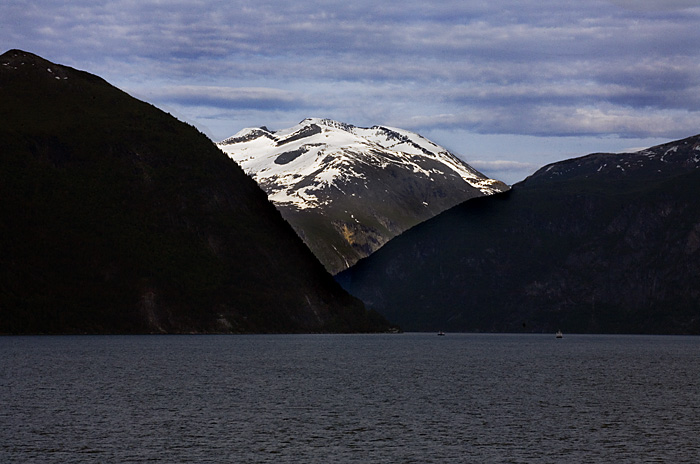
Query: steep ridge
point(117, 218)
point(604, 243)
point(347, 190)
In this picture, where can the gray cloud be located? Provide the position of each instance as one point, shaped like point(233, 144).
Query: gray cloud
point(552, 121)
point(655, 5)
point(607, 68)
point(229, 98)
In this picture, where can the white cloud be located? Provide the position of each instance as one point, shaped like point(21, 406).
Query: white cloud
point(503, 165)
point(508, 171)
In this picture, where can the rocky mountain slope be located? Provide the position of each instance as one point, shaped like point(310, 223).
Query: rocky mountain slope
point(347, 190)
point(117, 218)
point(602, 243)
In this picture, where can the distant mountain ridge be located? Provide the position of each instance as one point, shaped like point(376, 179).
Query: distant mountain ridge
point(117, 218)
point(347, 190)
point(669, 159)
point(605, 243)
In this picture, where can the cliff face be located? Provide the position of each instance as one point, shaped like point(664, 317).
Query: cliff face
point(603, 243)
point(118, 218)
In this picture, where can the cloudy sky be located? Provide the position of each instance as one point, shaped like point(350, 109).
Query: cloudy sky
point(508, 85)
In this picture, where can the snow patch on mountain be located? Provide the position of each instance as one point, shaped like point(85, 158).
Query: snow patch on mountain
point(296, 165)
point(678, 156)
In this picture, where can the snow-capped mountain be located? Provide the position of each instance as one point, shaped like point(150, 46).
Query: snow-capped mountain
point(347, 190)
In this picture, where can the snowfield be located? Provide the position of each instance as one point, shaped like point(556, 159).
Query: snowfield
point(297, 164)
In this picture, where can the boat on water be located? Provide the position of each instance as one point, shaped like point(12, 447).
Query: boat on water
point(559, 334)
point(441, 334)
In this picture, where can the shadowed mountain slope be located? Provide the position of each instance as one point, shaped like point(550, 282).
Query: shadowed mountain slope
point(603, 243)
point(117, 218)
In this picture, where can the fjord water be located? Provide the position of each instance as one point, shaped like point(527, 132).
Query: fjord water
point(409, 398)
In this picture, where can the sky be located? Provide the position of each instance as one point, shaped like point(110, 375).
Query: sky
point(507, 85)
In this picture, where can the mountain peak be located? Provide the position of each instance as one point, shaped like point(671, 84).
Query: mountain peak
point(21, 64)
point(329, 123)
point(16, 54)
point(653, 162)
point(365, 185)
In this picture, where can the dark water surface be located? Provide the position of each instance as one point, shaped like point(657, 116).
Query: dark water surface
point(410, 398)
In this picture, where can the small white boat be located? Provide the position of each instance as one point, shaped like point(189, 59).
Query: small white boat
point(441, 334)
point(559, 334)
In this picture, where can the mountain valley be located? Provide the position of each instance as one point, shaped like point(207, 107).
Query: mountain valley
point(117, 218)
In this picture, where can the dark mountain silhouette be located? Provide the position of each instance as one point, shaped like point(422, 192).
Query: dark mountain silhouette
point(603, 243)
point(117, 218)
